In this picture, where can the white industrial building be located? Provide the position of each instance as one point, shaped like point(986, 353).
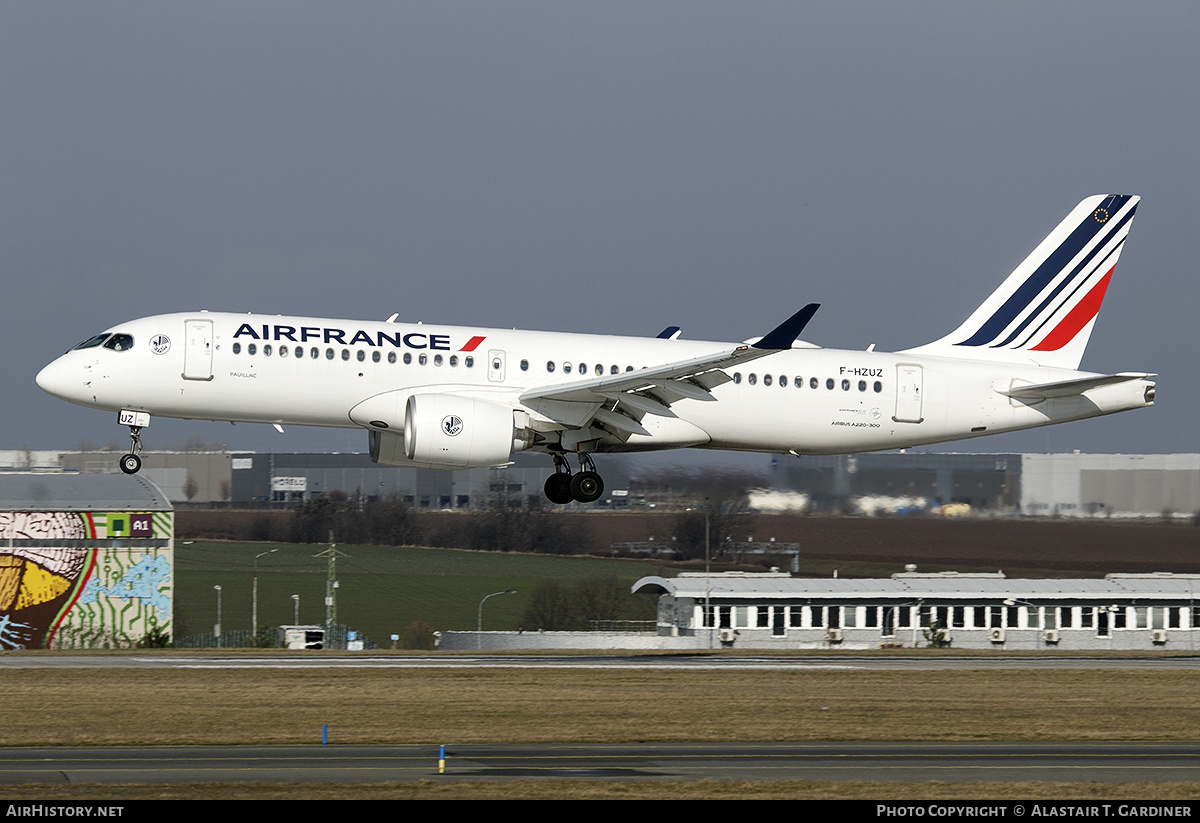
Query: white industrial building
point(1110, 485)
point(965, 611)
point(1044, 485)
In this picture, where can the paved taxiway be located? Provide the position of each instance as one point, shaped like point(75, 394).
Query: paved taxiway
point(947, 762)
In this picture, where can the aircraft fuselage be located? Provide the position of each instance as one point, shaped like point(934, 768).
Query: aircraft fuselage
point(314, 372)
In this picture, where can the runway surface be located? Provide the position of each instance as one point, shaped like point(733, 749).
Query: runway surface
point(18, 660)
point(919, 762)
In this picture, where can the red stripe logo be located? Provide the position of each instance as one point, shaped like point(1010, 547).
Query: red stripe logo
point(473, 343)
point(1083, 313)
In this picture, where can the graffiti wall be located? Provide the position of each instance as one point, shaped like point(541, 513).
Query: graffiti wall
point(84, 579)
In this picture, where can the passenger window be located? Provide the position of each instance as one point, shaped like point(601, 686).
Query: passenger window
point(469, 361)
point(251, 349)
point(237, 348)
point(783, 380)
point(362, 356)
point(549, 365)
point(752, 379)
point(566, 368)
point(524, 365)
point(345, 354)
point(407, 359)
point(437, 360)
point(766, 379)
point(267, 350)
point(614, 370)
point(878, 387)
point(329, 354)
point(737, 377)
point(422, 359)
point(599, 370)
point(375, 356)
point(391, 357)
point(453, 360)
point(862, 385)
point(813, 382)
point(299, 352)
point(845, 385)
point(314, 353)
point(283, 351)
point(829, 383)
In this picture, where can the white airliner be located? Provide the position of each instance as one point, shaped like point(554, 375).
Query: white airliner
point(452, 397)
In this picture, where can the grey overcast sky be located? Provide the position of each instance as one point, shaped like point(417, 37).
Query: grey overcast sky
point(609, 167)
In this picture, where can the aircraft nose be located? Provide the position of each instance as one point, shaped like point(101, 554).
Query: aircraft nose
point(52, 379)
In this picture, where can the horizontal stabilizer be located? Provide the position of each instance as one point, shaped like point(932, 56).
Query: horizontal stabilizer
point(1069, 388)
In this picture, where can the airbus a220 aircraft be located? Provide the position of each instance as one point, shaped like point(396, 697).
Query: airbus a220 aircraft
point(451, 397)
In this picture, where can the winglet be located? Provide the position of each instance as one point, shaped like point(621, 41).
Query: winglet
point(785, 334)
point(669, 333)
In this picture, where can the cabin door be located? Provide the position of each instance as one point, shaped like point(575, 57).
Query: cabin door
point(908, 393)
point(197, 350)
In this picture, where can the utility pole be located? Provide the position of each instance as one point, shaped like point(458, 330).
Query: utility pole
point(331, 584)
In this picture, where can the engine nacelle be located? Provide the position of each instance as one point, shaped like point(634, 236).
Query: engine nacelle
point(447, 431)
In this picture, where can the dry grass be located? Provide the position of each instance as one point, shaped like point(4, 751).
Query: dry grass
point(253, 706)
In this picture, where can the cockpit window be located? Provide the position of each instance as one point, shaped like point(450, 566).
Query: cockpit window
point(92, 342)
point(119, 342)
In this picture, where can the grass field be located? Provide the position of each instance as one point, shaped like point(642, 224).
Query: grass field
point(382, 589)
point(276, 706)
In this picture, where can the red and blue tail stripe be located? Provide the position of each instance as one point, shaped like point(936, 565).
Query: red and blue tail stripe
point(1049, 302)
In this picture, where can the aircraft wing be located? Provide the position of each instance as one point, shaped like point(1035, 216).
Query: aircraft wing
point(1068, 388)
point(621, 400)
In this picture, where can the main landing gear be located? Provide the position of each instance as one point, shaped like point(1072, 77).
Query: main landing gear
point(584, 486)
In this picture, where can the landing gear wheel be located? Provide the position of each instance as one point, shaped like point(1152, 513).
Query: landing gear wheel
point(131, 463)
point(558, 488)
point(586, 487)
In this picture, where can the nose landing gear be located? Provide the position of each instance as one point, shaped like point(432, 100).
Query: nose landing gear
point(131, 463)
point(585, 486)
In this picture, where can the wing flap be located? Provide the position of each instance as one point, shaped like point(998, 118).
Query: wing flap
point(634, 394)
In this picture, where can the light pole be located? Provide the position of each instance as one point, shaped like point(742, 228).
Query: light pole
point(479, 624)
point(296, 602)
point(217, 627)
point(254, 598)
point(708, 615)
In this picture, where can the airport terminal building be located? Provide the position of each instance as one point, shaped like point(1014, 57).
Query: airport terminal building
point(964, 611)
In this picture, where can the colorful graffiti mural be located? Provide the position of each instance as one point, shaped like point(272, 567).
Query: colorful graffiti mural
point(83, 579)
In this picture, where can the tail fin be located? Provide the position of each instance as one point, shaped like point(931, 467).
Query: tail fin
point(1044, 311)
